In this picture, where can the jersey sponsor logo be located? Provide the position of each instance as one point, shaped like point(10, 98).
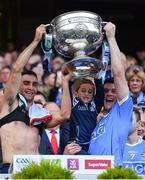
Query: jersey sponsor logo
point(138, 167)
point(86, 108)
point(99, 131)
point(82, 108)
point(92, 108)
point(97, 164)
point(75, 102)
point(143, 154)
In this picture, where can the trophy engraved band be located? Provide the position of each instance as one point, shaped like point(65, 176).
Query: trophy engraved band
point(77, 35)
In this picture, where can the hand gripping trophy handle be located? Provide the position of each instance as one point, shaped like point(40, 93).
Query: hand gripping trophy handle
point(105, 56)
point(103, 24)
point(47, 40)
point(46, 45)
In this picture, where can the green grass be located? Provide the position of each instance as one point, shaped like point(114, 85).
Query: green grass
point(119, 173)
point(47, 169)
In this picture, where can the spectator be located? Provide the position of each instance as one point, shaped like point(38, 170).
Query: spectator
point(51, 86)
point(1, 62)
point(141, 57)
point(38, 69)
point(130, 61)
point(48, 85)
point(8, 59)
point(136, 83)
point(4, 76)
point(57, 63)
point(141, 129)
point(141, 123)
point(34, 59)
point(61, 133)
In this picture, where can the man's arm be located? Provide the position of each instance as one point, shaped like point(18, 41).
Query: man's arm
point(117, 64)
point(12, 86)
point(59, 116)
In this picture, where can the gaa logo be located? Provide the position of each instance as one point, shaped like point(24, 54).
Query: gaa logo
point(22, 161)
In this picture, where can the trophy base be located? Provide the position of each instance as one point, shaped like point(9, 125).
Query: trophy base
point(82, 67)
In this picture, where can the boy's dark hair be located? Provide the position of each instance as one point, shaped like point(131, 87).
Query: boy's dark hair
point(79, 82)
point(29, 73)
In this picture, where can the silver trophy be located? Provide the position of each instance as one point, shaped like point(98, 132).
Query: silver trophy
point(76, 35)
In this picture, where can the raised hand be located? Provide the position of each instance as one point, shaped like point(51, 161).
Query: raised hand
point(66, 75)
point(110, 29)
point(40, 31)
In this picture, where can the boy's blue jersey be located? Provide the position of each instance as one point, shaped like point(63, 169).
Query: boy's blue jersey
point(134, 157)
point(82, 121)
point(110, 135)
point(135, 152)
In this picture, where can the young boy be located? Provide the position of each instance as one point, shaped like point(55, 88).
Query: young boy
point(84, 111)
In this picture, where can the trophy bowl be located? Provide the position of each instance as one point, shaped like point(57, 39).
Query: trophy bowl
point(76, 35)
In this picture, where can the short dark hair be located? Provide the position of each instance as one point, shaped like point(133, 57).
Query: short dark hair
point(109, 80)
point(26, 72)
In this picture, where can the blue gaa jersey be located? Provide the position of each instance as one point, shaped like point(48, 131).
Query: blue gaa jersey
point(134, 156)
point(82, 121)
point(110, 135)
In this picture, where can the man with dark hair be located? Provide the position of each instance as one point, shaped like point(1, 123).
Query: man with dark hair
point(110, 135)
point(29, 73)
point(17, 110)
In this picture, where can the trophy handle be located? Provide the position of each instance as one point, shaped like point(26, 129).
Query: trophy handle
point(103, 23)
point(46, 45)
point(46, 42)
point(105, 55)
point(49, 28)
